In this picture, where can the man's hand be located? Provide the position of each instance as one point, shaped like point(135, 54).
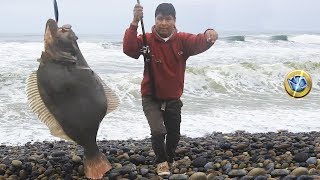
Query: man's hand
point(211, 35)
point(137, 14)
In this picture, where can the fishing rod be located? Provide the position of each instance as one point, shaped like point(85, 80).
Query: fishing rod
point(56, 10)
point(56, 14)
point(145, 50)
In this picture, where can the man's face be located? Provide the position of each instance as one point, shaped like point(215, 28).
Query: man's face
point(165, 25)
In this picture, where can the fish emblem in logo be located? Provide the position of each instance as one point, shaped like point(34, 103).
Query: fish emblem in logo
point(298, 83)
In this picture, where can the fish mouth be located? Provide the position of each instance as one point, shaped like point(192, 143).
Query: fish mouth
point(60, 42)
point(50, 32)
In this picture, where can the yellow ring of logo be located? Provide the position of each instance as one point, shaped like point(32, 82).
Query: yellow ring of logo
point(294, 93)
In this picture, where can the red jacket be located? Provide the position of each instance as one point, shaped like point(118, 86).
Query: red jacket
point(168, 59)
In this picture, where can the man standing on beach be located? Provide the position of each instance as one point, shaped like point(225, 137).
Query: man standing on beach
point(163, 78)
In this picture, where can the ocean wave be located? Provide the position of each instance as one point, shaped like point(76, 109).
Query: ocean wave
point(203, 80)
point(244, 78)
point(111, 45)
point(308, 66)
point(279, 37)
point(306, 38)
point(234, 38)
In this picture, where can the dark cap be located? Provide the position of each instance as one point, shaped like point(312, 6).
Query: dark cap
point(165, 9)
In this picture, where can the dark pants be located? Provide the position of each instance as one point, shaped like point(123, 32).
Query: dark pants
point(164, 125)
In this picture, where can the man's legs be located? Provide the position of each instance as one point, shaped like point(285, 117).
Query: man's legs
point(172, 120)
point(151, 109)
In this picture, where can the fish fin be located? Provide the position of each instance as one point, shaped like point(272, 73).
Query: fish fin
point(113, 100)
point(38, 107)
point(96, 167)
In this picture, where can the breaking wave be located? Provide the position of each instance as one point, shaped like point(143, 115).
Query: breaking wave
point(279, 38)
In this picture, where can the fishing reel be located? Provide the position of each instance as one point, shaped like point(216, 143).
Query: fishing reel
point(145, 50)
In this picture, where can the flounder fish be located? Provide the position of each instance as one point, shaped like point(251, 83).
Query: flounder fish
point(69, 97)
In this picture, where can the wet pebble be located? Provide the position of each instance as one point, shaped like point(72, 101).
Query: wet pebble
point(16, 163)
point(301, 157)
point(237, 173)
point(76, 159)
point(300, 171)
point(312, 160)
point(58, 154)
point(198, 176)
point(178, 177)
point(200, 162)
point(257, 172)
point(280, 172)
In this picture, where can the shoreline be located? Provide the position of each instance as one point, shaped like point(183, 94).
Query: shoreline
point(237, 155)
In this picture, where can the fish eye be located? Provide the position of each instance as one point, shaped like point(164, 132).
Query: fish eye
point(66, 26)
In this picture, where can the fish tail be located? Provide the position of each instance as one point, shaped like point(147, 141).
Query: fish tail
point(96, 166)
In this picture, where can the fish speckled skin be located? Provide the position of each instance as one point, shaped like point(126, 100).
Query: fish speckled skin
point(75, 97)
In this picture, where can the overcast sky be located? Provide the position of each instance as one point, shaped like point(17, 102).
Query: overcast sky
point(114, 16)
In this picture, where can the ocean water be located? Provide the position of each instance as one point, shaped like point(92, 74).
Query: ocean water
point(235, 85)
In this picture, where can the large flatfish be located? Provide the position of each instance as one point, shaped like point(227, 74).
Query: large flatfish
point(69, 97)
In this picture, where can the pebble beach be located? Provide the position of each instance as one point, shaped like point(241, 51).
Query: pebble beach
point(217, 156)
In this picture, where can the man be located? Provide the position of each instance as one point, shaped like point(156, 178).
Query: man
point(163, 78)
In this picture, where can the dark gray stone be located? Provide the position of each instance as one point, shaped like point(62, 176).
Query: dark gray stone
point(237, 173)
point(246, 177)
point(261, 178)
point(301, 157)
point(113, 151)
point(280, 172)
point(289, 177)
point(137, 159)
point(305, 177)
point(178, 177)
point(144, 171)
point(58, 154)
point(225, 146)
point(270, 167)
point(227, 167)
point(199, 162)
point(128, 168)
